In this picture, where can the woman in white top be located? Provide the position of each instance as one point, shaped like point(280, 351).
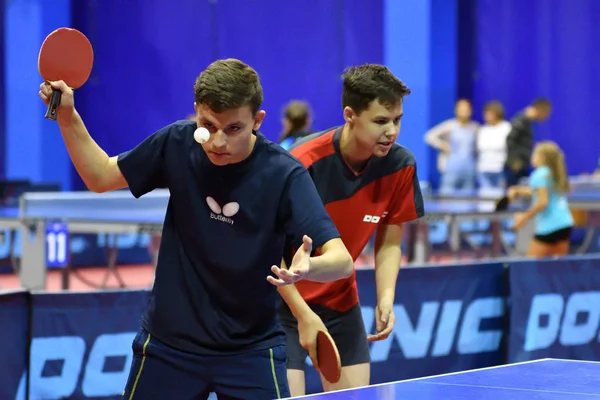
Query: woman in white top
point(491, 147)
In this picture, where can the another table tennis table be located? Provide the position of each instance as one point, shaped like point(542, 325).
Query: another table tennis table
point(120, 213)
point(545, 379)
point(583, 198)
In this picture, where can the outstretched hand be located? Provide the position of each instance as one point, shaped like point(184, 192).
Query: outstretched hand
point(299, 268)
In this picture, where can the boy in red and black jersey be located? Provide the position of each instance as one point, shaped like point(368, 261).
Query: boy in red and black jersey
point(368, 184)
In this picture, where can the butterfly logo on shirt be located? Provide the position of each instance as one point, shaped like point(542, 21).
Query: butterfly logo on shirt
point(222, 214)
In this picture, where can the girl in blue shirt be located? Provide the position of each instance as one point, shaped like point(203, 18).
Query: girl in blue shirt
point(548, 186)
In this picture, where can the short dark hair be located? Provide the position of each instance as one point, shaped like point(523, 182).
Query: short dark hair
point(368, 82)
point(541, 102)
point(496, 107)
point(228, 84)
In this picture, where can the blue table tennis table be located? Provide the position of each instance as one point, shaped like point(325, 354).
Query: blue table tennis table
point(584, 194)
point(546, 379)
point(583, 197)
point(120, 213)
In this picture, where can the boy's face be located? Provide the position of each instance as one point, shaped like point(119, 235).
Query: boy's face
point(543, 113)
point(230, 132)
point(376, 128)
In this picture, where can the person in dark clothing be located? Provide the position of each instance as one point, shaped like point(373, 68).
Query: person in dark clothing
point(520, 140)
point(296, 123)
point(237, 201)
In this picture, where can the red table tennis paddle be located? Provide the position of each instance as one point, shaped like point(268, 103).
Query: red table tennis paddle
point(66, 55)
point(328, 357)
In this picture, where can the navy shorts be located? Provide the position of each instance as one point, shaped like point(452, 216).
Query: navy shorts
point(160, 372)
point(346, 328)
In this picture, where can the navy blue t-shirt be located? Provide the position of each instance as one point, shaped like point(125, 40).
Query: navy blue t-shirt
point(224, 228)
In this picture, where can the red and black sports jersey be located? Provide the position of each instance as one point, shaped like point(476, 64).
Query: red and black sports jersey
point(386, 192)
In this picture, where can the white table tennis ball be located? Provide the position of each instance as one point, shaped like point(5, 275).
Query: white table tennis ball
point(201, 135)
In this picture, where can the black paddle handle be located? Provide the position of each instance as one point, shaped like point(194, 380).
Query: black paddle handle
point(53, 105)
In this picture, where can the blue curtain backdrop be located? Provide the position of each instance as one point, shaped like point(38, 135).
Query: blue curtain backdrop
point(544, 48)
point(143, 78)
point(2, 94)
point(148, 54)
point(33, 146)
point(278, 43)
point(420, 48)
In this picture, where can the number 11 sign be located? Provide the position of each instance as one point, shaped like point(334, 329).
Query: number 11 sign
point(57, 244)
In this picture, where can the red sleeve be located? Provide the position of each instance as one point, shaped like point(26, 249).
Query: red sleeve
point(407, 200)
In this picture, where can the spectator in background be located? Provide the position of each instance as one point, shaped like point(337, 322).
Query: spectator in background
point(296, 123)
point(520, 140)
point(455, 140)
point(491, 146)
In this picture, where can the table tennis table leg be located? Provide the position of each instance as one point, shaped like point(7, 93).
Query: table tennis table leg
point(418, 242)
point(591, 223)
point(112, 251)
point(454, 238)
point(410, 236)
point(33, 257)
point(496, 228)
point(523, 238)
point(14, 262)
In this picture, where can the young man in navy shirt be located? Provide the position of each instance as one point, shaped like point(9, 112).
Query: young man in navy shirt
point(211, 323)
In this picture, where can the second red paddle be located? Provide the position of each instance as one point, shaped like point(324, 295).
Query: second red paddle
point(328, 357)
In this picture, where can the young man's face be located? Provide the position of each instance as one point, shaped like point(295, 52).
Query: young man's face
point(230, 132)
point(376, 128)
point(543, 113)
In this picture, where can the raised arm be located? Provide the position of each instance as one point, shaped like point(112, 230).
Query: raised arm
point(99, 172)
point(141, 169)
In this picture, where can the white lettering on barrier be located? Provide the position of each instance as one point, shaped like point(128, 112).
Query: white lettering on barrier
point(69, 352)
point(96, 382)
point(424, 338)
point(439, 328)
point(550, 319)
